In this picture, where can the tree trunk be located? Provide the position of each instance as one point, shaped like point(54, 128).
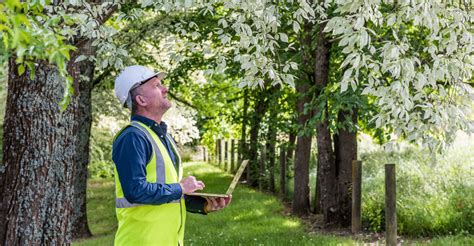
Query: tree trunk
point(286, 162)
point(282, 172)
point(84, 69)
point(243, 153)
point(271, 141)
point(345, 146)
point(36, 187)
point(301, 205)
point(260, 108)
point(291, 149)
point(262, 168)
point(271, 137)
point(326, 172)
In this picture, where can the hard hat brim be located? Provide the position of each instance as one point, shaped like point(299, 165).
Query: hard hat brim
point(159, 75)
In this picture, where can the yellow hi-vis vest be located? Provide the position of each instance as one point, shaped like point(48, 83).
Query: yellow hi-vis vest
point(142, 224)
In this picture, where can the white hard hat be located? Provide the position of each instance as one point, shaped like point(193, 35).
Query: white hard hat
point(131, 76)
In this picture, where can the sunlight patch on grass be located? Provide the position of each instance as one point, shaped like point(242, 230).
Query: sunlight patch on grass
point(291, 224)
point(253, 218)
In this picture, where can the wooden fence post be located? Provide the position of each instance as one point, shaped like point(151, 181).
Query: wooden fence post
point(203, 153)
point(219, 154)
point(216, 152)
point(356, 195)
point(222, 161)
point(390, 205)
point(232, 155)
point(226, 155)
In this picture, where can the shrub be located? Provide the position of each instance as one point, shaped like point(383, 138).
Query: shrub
point(186, 153)
point(101, 165)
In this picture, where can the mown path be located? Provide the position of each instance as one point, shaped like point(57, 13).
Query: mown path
point(253, 218)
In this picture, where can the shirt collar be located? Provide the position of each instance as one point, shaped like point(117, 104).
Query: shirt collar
point(161, 128)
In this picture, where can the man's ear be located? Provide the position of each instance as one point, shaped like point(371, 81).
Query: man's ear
point(140, 100)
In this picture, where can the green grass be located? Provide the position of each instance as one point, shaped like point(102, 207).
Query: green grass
point(101, 212)
point(253, 218)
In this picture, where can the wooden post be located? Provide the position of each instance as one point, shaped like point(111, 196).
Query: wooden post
point(226, 155)
point(240, 151)
point(222, 160)
point(261, 172)
point(219, 152)
point(216, 152)
point(390, 206)
point(203, 153)
point(356, 195)
point(282, 172)
point(232, 155)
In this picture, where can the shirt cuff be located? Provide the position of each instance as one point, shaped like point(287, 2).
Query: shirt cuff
point(177, 192)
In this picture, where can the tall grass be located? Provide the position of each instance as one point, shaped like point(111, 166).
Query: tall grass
point(435, 192)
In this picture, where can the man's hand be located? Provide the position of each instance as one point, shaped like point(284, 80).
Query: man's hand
point(190, 185)
point(217, 203)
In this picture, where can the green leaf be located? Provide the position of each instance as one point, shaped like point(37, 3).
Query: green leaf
point(283, 37)
point(21, 69)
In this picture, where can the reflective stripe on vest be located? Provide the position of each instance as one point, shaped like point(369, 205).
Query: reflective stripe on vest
point(160, 166)
point(144, 224)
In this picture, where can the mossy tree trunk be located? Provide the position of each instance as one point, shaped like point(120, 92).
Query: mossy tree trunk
point(36, 187)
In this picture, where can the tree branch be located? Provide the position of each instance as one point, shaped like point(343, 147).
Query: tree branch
point(99, 78)
point(108, 14)
point(182, 101)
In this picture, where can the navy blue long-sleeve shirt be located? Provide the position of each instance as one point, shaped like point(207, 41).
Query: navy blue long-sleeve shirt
point(131, 152)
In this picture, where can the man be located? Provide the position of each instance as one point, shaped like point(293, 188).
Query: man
point(151, 199)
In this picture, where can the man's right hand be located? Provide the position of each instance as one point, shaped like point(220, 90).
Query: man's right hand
point(190, 185)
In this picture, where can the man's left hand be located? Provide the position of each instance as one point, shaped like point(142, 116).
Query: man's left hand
point(217, 203)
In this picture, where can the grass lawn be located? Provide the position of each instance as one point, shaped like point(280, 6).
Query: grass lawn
point(253, 218)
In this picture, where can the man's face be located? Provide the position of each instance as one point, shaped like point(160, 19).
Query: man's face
point(154, 95)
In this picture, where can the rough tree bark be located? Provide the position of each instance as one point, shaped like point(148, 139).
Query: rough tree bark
point(291, 149)
point(271, 142)
point(243, 152)
point(326, 172)
point(286, 159)
point(83, 72)
point(283, 164)
point(345, 146)
point(36, 187)
point(260, 108)
point(301, 205)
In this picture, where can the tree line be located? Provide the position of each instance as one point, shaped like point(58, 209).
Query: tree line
point(277, 72)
